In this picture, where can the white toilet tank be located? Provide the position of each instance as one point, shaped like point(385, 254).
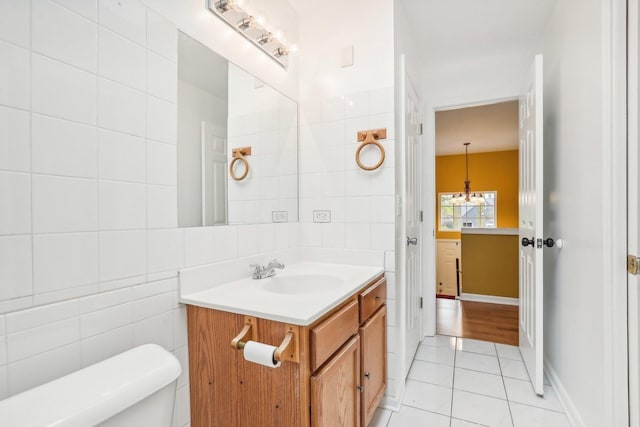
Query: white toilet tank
point(133, 389)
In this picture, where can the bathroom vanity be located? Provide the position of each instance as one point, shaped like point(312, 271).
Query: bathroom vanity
point(333, 369)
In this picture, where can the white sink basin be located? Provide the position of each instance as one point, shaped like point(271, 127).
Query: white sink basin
point(302, 284)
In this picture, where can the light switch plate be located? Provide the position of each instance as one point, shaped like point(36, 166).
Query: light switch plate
point(321, 216)
point(346, 56)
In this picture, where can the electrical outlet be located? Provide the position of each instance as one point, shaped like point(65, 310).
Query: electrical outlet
point(279, 216)
point(321, 216)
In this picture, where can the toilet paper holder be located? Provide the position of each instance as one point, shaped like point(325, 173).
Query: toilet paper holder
point(286, 351)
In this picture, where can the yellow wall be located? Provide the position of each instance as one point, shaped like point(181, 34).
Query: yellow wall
point(490, 265)
point(496, 171)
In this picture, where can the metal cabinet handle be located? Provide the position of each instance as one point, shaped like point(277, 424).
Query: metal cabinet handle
point(549, 242)
point(367, 375)
point(412, 240)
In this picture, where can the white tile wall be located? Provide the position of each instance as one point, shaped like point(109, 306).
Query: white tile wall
point(361, 202)
point(121, 59)
point(121, 108)
point(122, 205)
point(14, 191)
point(88, 9)
point(14, 68)
point(125, 17)
point(62, 204)
point(14, 139)
point(161, 120)
point(61, 147)
point(61, 90)
point(123, 254)
point(62, 261)
point(162, 77)
point(91, 166)
point(162, 207)
point(64, 35)
point(15, 21)
point(15, 267)
point(121, 157)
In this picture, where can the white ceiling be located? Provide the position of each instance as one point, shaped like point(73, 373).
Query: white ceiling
point(450, 29)
point(488, 128)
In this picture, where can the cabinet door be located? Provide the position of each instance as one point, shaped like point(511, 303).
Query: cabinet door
point(335, 394)
point(374, 362)
point(447, 252)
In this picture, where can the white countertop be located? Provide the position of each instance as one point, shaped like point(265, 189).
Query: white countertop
point(251, 297)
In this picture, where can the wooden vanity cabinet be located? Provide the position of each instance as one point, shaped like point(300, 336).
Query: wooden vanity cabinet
point(335, 389)
point(338, 381)
point(373, 359)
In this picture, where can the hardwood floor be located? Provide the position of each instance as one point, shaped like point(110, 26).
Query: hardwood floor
point(478, 320)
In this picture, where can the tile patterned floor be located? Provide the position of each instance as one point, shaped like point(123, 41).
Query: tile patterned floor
point(460, 382)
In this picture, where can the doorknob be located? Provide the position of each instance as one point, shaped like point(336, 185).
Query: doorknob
point(412, 240)
point(526, 242)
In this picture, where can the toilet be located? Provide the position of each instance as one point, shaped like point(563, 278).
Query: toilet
point(132, 389)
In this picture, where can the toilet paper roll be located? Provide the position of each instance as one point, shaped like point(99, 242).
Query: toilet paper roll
point(260, 353)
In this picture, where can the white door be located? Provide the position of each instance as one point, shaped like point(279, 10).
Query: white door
point(413, 205)
point(448, 251)
point(633, 210)
point(531, 226)
point(214, 174)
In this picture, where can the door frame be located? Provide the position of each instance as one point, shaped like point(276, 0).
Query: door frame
point(429, 252)
point(614, 155)
point(633, 133)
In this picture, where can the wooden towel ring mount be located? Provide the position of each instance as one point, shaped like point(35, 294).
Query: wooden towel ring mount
point(238, 154)
point(370, 137)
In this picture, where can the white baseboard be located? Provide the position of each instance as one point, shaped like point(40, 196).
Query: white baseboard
point(489, 298)
point(391, 403)
point(567, 404)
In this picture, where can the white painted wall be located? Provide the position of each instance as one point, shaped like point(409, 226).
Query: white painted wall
point(573, 74)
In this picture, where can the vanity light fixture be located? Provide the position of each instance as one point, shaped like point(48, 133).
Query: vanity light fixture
point(252, 29)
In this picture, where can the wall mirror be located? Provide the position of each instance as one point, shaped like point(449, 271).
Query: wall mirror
point(237, 144)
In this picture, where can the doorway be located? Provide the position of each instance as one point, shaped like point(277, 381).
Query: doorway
point(476, 230)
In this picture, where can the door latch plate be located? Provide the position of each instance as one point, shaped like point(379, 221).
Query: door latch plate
point(633, 264)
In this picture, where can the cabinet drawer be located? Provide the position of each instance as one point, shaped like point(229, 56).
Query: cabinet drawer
point(329, 336)
point(372, 298)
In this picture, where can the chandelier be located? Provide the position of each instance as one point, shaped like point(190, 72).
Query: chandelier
point(468, 197)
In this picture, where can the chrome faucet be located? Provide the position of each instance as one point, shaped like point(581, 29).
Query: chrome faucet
point(261, 272)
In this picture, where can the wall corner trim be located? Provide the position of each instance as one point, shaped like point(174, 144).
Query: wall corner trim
point(565, 400)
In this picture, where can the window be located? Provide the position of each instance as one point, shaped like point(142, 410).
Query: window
point(454, 216)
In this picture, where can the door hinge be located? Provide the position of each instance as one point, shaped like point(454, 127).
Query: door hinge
point(633, 264)
point(421, 216)
point(421, 302)
point(420, 129)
